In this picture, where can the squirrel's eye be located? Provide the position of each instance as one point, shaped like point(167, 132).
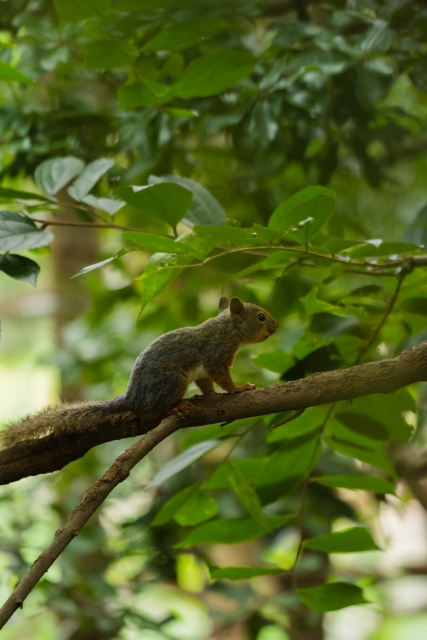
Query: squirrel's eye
point(261, 317)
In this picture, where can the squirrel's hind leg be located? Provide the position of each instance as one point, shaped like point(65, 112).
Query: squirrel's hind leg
point(205, 385)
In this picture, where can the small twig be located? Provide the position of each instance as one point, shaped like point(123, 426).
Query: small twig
point(92, 499)
point(388, 311)
point(292, 417)
point(301, 509)
point(48, 223)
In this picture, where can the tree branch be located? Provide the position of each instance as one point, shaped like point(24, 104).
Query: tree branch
point(45, 454)
point(90, 502)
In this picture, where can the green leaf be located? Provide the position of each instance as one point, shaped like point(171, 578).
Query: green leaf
point(378, 248)
point(313, 304)
point(173, 505)
point(213, 431)
point(198, 508)
point(331, 597)
point(242, 573)
point(231, 530)
point(109, 205)
point(309, 421)
point(20, 268)
point(363, 424)
point(155, 243)
point(18, 233)
point(356, 482)
point(104, 54)
point(89, 177)
point(141, 94)
point(204, 210)
point(225, 235)
point(154, 281)
point(214, 73)
point(250, 468)
point(373, 417)
point(414, 305)
point(186, 34)
point(350, 540)
point(164, 201)
point(317, 203)
point(13, 194)
point(276, 361)
point(374, 458)
point(80, 10)
point(97, 265)
point(267, 235)
point(247, 496)
point(52, 175)
point(295, 460)
point(182, 461)
point(11, 74)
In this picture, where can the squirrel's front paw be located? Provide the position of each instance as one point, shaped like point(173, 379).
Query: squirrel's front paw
point(245, 387)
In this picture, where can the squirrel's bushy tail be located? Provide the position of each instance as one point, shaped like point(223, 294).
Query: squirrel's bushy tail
point(65, 421)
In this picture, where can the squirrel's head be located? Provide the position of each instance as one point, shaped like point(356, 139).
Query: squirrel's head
point(254, 323)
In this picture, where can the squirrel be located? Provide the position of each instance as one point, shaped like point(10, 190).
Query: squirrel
point(159, 378)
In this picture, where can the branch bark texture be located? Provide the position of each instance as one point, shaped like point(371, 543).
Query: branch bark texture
point(384, 376)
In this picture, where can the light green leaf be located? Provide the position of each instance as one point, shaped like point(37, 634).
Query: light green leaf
point(182, 461)
point(97, 265)
point(18, 233)
point(156, 243)
point(182, 113)
point(214, 73)
point(350, 540)
point(317, 203)
point(247, 496)
point(186, 34)
point(173, 505)
point(374, 458)
point(13, 194)
point(164, 201)
point(109, 205)
point(89, 177)
point(356, 482)
point(198, 508)
point(331, 597)
point(20, 268)
point(242, 573)
point(11, 74)
point(54, 174)
point(276, 361)
point(204, 210)
point(231, 530)
point(104, 54)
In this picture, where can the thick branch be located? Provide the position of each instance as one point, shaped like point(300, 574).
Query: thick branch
point(90, 502)
point(384, 376)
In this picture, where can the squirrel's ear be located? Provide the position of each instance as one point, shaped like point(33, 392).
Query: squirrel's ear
point(236, 305)
point(224, 303)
